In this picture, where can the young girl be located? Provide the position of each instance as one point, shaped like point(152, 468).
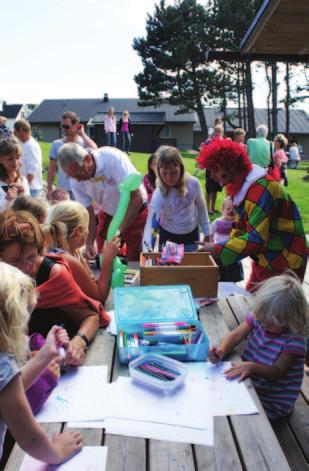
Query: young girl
point(275, 351)
point(149, 179)
point(177, 204)
point(18, 298)
point(12, 183)
point(66, 233)
point(220, 230)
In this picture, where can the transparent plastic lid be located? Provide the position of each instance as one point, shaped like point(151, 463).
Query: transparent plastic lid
point(155, 303)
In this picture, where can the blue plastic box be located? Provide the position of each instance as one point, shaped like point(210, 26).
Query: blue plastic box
point(138, 305)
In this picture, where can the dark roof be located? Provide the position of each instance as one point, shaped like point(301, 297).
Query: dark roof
point(299, 120)
point(145, 117)
point(10, 111)
point(50, 111)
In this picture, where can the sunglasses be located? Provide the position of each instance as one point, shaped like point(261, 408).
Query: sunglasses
point(65, 126)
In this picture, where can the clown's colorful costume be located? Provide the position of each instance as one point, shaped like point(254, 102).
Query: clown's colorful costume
point(268, 226)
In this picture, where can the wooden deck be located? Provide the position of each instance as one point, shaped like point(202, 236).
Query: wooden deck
point(241, 442)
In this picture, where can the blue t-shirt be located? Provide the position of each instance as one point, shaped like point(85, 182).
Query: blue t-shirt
point(8, 369)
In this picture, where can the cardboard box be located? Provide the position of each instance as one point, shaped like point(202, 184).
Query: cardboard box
point(197, 269)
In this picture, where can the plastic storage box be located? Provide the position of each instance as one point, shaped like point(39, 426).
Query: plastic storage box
point(158, 319)
point(158, 372)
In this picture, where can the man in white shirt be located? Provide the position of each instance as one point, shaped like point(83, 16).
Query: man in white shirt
point(95, 176)
point(31, 157)
point(73, 131)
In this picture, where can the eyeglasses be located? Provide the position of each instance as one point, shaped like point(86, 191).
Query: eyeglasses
point(65, 126)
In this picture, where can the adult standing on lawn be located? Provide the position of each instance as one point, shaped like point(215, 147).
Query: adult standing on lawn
point(259, 148)
point(31, 157)
point(95, 176)
point(110, 128)
point(73, 131)
point(268, 227)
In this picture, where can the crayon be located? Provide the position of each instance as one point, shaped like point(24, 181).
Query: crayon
point(120, 335)
point(125, 340)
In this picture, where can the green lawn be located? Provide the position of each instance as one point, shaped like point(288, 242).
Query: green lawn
point(298, 188)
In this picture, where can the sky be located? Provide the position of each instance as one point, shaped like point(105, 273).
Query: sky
point(74, 49)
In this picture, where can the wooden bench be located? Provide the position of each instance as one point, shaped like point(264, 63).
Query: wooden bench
point(292, 431)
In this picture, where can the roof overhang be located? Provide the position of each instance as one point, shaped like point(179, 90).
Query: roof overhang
point(279, 32)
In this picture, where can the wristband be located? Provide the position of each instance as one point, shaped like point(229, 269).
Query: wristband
point(84, 337)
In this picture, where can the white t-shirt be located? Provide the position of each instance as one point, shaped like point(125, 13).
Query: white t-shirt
point(178, 214)
point(4, 203)
point(32, 162)
point(112, 167)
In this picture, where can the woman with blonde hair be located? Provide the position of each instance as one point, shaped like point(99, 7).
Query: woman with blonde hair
point(18, 298)
point(177, 204)
point(280, 159)
point(66, 233)
point(12, 183)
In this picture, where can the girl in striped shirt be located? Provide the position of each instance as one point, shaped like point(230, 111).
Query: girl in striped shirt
point(275, 350)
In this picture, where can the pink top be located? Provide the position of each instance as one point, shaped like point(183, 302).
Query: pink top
point(125, 126)
point(280, 157)
point(110, 123)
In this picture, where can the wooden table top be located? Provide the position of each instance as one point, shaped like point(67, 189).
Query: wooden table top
point(241, 442)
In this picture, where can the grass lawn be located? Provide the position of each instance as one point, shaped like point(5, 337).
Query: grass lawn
point(298, 188)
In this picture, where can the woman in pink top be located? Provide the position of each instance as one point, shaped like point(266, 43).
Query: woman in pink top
point(280, 159)
point(124, 126)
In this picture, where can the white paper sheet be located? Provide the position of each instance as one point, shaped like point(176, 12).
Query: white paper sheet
point(227, 288)
point(227, 397)
point(80, 395)
point(127, 400)
point(111, 328)
point(89, 458)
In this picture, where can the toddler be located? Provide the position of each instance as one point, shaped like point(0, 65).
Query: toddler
point(275, 350)
point(220, 230)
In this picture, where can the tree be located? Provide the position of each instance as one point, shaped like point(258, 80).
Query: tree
point(173, 58)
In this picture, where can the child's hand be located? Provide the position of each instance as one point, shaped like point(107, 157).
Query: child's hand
point(243, 370)
point(67, 444)
point(215, 354)
point(54, 368)
point(57, 337)
point(111, 248)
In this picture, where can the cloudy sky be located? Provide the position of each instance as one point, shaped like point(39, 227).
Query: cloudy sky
point(73, 49)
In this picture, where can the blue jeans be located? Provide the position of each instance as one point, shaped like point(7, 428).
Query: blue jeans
point(126, 141)
point(111, 139)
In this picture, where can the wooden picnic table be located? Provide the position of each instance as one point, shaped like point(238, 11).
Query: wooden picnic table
point(241, 442)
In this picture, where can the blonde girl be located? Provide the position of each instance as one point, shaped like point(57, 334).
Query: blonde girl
point(274, 353)
point(177, 203)
point(67, 233)
point(17, 299)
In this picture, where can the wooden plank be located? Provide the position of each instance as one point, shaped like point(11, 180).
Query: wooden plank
point(299, 423)
point(257, 444)
point(305, 388)
point(239, 306)
point(17, 455)
point(125, 453)
point(223, 455)
point(290, 446)
point(170, 456)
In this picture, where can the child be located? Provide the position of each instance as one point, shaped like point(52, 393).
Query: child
point(220, 230)
point(274, 354)
point(58, 195)
point(18, 298)
point(149, 179)
point(177, 204)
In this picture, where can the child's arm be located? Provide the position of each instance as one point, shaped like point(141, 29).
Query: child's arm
point(16, 413)
point(271, 372)
point(230, 341)
point(56, 338)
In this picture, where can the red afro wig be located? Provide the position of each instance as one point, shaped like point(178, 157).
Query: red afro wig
point(226, 154)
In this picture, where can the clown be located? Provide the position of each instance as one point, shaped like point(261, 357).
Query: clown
point(268, 225)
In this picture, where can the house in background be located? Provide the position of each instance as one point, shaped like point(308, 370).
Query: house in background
point(299, 124)
point(151, 127)
point(14, 112)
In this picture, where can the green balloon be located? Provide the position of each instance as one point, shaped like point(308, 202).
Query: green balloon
point(131, 183)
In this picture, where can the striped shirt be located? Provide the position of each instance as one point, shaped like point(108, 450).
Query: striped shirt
point(277, 397)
